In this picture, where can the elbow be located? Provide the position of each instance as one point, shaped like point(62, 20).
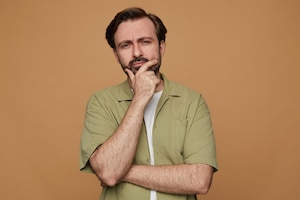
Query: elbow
point(203, 187)
point(109, 181)
point(205, 180)
point(203, 190)
point(107, 177)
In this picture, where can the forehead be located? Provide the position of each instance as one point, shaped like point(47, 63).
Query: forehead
point(135, 29)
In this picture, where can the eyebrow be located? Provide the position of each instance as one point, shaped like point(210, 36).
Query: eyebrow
point(140, 39)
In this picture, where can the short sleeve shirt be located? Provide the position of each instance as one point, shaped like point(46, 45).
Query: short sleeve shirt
point(182, 133)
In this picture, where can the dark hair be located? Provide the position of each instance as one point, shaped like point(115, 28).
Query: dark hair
point(134, 13)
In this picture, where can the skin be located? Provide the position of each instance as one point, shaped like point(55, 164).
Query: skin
point(112, 161)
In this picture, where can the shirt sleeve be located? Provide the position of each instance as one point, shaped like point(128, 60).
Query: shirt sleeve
point(200, 144)
point(96, 129)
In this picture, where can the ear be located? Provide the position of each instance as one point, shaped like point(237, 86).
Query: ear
point(162, 47)
point(116, 56)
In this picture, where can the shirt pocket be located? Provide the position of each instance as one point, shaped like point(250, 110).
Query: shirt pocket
point(168, 141)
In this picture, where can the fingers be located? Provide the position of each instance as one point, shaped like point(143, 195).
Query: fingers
point(147, 65)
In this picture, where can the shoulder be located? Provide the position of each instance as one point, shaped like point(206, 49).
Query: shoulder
point(180, 90)
point(114, 91)
point(112, 94)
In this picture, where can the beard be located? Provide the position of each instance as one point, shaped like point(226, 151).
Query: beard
point(130, 66)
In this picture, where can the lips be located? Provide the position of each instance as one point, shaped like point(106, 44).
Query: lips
point(137, 64)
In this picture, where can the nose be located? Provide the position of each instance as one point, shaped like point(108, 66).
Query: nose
point(137, 51)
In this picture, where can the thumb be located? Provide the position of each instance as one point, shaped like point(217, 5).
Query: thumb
point(129, 73)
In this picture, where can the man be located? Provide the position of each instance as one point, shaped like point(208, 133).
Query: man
point(147, 138)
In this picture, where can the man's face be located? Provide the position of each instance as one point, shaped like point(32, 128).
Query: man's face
point(136, 43)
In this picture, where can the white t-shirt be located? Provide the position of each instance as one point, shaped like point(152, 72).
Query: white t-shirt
point(149, 121)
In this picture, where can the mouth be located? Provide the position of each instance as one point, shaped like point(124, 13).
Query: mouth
point(138, 62)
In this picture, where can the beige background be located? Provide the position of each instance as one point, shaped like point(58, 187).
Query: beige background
point(243, 56)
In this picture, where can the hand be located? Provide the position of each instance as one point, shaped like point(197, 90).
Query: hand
point(144, 82)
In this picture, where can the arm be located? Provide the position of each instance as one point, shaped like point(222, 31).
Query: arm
point(112, 160)
point(174, 179)
point(199, 147)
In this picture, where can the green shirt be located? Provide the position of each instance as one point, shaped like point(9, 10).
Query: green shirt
point(182, 133)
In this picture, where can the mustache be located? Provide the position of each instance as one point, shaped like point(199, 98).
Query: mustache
point(138, 59)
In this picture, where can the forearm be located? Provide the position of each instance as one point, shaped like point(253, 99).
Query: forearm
point(112, 160)
point(174, 179)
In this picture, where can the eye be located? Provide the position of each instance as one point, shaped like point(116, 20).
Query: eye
point(125, 45)
point(145, 42)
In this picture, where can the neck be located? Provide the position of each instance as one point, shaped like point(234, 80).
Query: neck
point(160, 86)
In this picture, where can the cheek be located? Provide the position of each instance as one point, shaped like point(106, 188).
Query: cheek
point(123, 61)
point(153, 53)
point(121, 58)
